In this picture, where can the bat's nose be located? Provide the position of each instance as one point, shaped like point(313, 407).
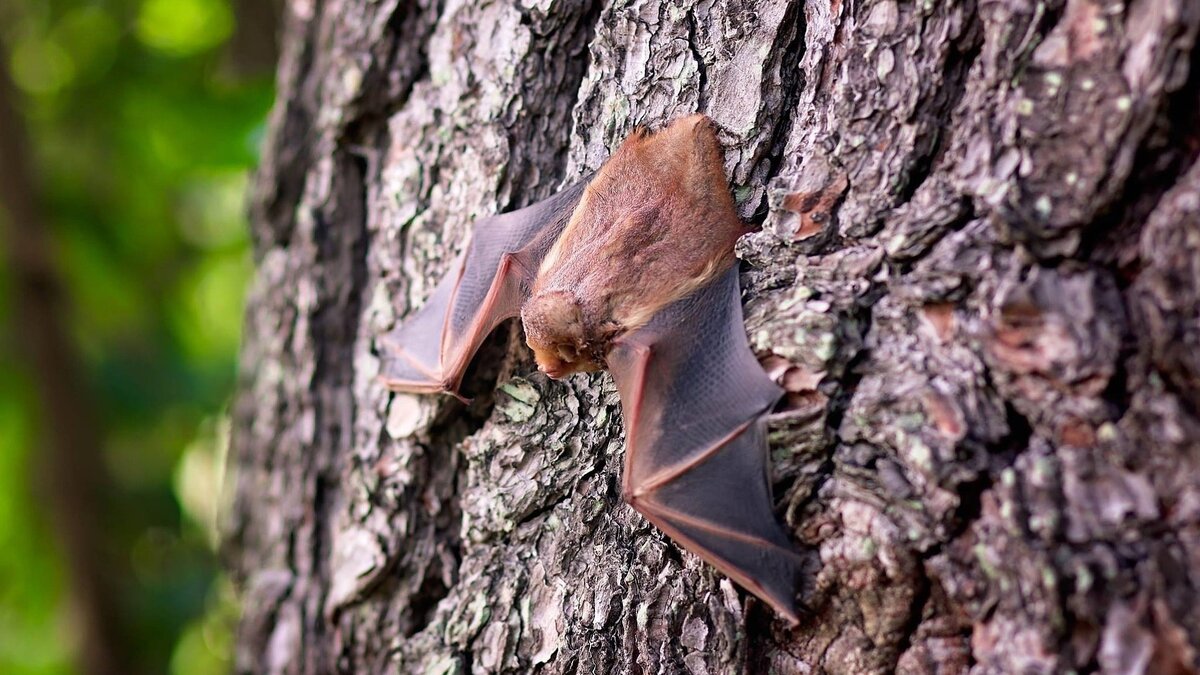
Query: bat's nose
point(553, 373)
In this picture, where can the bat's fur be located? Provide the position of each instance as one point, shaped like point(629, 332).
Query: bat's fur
point(655, 223)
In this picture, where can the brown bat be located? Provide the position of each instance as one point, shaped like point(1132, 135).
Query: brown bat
point(634, 272)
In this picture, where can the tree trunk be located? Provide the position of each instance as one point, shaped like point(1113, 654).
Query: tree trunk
point(978, 276)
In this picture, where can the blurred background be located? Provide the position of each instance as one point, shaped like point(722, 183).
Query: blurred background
point(127, 132)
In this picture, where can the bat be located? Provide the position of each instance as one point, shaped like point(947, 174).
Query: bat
point(633, 271)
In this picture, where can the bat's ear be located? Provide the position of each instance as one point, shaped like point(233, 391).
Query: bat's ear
point(696, 121)
point(552, 309)
point(693, 128)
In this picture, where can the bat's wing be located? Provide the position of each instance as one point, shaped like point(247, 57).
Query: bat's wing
point(430, 350)
point(693, 398)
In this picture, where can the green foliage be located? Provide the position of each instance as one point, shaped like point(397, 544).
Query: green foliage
point(142, 136)
point(31, 616)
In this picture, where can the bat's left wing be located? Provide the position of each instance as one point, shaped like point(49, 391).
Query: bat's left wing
point(693, 398)
point(429, 352)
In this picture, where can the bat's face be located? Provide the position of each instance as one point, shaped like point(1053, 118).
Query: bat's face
point(555, 331)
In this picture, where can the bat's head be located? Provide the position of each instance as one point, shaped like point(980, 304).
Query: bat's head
point(556, 332)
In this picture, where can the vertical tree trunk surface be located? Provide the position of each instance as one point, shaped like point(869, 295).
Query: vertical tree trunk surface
point(977, 276)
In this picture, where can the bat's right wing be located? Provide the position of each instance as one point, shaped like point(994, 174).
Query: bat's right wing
point(430, 350)
point(693, 398)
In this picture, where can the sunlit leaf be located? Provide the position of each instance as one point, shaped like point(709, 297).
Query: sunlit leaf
point(183, 27)
point(199, 476)
point(211, 212)
point(41, 66)
point(210, 307)
point(90, 35)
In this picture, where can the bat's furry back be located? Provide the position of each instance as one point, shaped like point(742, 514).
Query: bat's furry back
point(656, 223)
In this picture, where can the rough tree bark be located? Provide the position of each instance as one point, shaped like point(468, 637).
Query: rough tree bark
point(978, 276)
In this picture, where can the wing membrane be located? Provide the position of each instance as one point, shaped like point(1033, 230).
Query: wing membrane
point(430, 350)
point(694, 396)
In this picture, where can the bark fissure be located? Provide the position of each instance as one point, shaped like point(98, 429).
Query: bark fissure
point(789, 45)
point(280, 181)
point(944, 104)
point(701, 68)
